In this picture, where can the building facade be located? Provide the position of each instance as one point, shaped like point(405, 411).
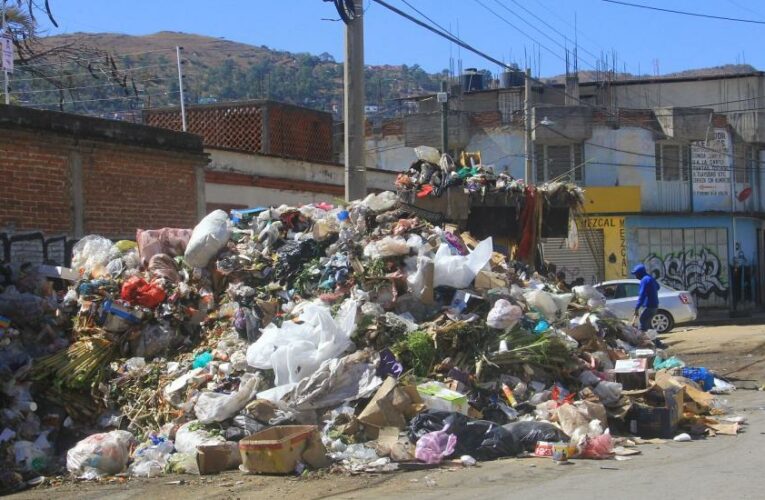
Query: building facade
point(672, 171)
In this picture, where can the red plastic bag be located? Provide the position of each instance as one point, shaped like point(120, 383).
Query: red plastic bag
point(137, 291)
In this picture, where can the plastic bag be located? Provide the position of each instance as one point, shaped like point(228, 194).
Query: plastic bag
point(459, 271)
point(528, 433)
point(150, 460)
point(155, 339)
point(608, 392)
point(295, 350)
point(217, 407)
point(163, 266)
point(599, 447)
point(572, 241)
point(570, 418)
point(504, 315)
point(542, 302)
point(416, 280)
point(380, 202)
point(389, 246)
point(100, 454)
point(90, 253)
point(209, 236)
point(182, 463)
point(428, 154)
point(169, 241)
point(188, 437)
point(433, 447)
point(481, 439)
point(137, 291)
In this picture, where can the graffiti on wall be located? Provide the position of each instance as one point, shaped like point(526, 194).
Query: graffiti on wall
point(35, 248)
point(699, 272)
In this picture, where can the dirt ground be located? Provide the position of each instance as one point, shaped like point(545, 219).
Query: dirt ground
point(721, 467)
point(736, 352)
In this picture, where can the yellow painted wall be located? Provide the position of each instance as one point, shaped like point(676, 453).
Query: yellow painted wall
point(611, 199)
point(614, 243)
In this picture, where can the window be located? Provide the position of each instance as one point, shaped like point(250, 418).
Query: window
point(745, 163)
point(564, 161)
point(673, 162)
point(608, 291)
point(631, 289)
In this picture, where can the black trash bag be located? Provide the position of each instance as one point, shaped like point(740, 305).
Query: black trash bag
point(481, 439)
point(436, 420)
point(484, 440)
point(292, 254)
point(527, 434)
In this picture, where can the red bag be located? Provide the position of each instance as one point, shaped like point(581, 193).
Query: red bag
point(137, 291)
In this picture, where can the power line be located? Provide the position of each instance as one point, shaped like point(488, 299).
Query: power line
point(576, 44)
point(126, 70)
point(685, 13)
point(537, 29)
point(99, 59)
point(479, 2)
point(108, 99)
point(113, 84)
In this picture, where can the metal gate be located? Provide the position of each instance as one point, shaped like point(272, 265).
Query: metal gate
point(695, 260)
point(586, 262)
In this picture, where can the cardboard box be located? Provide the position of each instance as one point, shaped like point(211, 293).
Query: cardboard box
point(391, 406)
point(487, 280)
point(651, 421)
point(215, 458)
point(438, 397)
point(631, 373)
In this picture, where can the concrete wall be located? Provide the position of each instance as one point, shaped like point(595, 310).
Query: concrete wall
point(724, 95)
point(237, 180)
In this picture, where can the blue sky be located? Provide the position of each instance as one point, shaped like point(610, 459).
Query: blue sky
point(640, 37)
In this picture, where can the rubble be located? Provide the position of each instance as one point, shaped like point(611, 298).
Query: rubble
point(374, 334)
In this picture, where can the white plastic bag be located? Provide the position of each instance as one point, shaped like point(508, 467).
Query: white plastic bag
point(217, 407)
point(294, 351)
point(389, 246)
point(542, 302)
point(427, 153)
point(572, 242)
point(91, 253)
point(459, 271)
point(100, 454)
point(416, 280)
point(380, 202)
point(187, 440)
point(504, 315)
point(208, 237)
point(150, 461)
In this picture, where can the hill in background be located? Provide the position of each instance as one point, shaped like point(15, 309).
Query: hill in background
point(219, 70)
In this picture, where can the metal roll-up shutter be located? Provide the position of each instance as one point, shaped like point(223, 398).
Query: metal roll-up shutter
point(586, 262)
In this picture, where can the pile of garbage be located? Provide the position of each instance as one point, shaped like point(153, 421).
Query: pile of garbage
point(356, 337)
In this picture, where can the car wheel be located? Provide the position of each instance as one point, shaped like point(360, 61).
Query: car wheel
point(662, 321)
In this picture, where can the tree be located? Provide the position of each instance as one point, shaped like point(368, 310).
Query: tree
point(57, 65)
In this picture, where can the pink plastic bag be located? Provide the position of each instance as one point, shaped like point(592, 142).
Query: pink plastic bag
point(170, 241)
point(598, 447)
point(435, 446)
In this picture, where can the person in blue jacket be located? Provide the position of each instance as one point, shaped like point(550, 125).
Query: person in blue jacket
point(648, 298)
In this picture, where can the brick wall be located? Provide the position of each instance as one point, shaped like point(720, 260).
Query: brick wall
point(64, 175)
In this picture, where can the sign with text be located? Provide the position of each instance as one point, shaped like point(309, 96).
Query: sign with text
point(6, 51)
point(711, 162)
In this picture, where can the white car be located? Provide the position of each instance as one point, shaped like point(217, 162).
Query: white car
point(675, 306)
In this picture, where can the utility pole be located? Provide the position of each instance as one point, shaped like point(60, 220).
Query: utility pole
point(353, 105)
point(528, 172)
point(180, 86)
point(443, 98)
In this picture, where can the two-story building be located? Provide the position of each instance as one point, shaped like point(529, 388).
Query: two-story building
point(672, 169)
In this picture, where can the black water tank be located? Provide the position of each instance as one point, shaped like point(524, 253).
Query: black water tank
point(510, 78)
point(472, 80)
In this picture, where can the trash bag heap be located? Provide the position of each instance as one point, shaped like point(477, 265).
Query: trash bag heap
point(354, 337)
